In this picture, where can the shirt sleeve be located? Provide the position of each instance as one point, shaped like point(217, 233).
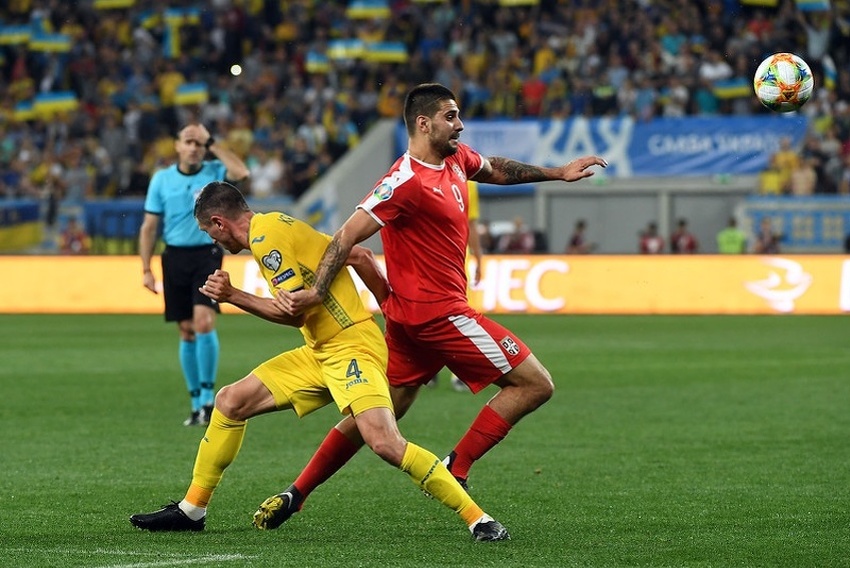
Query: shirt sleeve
point(153, 199)
point(472, 160)
point(394, 196)
point(272, 247)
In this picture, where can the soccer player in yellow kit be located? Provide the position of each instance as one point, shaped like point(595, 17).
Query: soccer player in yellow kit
point(344, 360)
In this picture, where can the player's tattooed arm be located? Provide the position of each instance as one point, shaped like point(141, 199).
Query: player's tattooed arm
point(508, 172)
point(332, 262)
point(504, 171)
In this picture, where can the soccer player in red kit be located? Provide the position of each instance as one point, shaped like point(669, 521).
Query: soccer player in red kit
point(420, 207)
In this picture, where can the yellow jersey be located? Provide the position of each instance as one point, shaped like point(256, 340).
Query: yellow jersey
point(474, 207)
point(288, 252)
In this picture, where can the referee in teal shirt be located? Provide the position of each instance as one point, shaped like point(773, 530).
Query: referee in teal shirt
point(189, 256)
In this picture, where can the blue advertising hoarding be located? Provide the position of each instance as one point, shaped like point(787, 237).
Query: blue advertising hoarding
point(688, 146)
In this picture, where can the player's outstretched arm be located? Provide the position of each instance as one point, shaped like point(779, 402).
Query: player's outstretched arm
point(504, 171)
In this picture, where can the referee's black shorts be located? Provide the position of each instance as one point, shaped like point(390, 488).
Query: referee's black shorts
point(184, 270)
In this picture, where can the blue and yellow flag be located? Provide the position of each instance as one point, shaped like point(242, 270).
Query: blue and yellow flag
point(346, 49)
point(48, 104)
point(317, 62)
point(732, 88)
point(24, 111)
point(15, 35)
point(191, 94)
point(54, 43)
point(182, 16)
point(171, 42)
point(386, 52)
point(368, 9)
point(830, 72)
point(149, 19)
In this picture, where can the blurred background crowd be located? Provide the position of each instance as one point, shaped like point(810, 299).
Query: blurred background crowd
point(283, 82)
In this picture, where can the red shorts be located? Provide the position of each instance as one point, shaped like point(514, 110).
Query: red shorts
point(475, 348)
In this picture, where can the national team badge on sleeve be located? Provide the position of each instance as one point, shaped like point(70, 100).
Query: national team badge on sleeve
point(272, 260)
point(510, 346)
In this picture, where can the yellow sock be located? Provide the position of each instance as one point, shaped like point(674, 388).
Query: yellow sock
point(217, 450)
point(428, 472)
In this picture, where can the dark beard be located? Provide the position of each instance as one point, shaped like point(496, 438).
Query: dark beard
point(447, 150)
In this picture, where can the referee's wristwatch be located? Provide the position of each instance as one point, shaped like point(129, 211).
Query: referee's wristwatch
point(210, 141)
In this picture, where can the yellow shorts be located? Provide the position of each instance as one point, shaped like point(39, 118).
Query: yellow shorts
point(350, 369)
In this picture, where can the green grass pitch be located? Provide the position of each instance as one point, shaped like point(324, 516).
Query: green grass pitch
point(670, 442)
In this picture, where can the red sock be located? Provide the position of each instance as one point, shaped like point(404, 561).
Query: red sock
point(333, 453)
point(486, 431)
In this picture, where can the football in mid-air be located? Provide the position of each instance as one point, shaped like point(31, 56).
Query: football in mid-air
point(783, 82)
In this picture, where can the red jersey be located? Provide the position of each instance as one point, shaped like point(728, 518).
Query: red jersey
point(683, 243)
point(422, 210)
point(651, 244)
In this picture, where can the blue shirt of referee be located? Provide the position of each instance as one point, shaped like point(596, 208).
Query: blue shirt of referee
point(189, 256)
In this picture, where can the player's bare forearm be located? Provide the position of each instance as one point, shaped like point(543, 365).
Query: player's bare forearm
point(219, 288)
point(510, 172)
point(237, 170)
point(262, 307)
point(147, 242)
point(335, 257)
point(362, 260)
point(504, 171)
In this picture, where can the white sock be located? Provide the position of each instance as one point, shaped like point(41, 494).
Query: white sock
point(192, 511)
point(485, 518)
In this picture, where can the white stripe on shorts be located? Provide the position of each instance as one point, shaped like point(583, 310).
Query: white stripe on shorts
point(470, 328)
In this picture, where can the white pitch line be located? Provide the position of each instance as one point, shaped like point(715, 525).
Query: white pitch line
point(174, 559)
point(182, 561)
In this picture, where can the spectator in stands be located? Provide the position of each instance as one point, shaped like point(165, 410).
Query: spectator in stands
point(682, 241)
point(767, 240)
point(804, 178)
point(267, 172)
point(650, 241)
point(485, 236)
point(731, 239)
point(518, 241)
point(74, 239)
point(844, 176)
point(817, 159)
point(303, 167)
point(578, 243)
point(770, 179)
point(786, 160)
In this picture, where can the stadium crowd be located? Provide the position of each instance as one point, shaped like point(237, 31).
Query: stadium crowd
point(293, 107)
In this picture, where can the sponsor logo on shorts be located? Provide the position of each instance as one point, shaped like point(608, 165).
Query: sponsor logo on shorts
point(289, 273)
point(510, 346)
point(272, 260)
point(357, 381)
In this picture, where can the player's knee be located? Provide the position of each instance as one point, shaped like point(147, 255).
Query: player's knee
point(388, 448)
point(230, 404)
point(542, 387)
